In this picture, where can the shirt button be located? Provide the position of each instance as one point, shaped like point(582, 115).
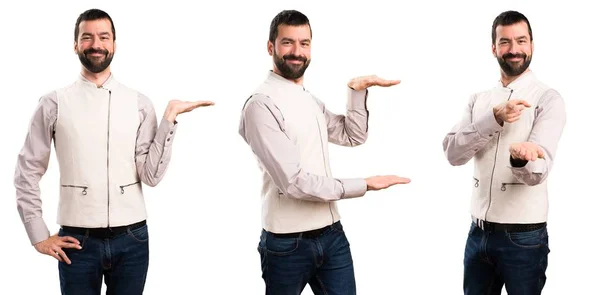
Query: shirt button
point(168, 139)
point(172, 132)
point(161, 162)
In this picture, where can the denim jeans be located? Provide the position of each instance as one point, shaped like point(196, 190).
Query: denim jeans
point(121, 260)
point(324, 263)
point(515, 260)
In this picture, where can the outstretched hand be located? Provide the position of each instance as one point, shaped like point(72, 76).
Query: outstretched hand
point(176, 107)
point(364, 82)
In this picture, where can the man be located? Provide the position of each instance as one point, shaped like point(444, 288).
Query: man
point(512, 131)
point(288, 129)
point(107, 143)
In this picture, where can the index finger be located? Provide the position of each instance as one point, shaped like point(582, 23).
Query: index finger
point(69, 239)
point(522, 102)
point(203, 103)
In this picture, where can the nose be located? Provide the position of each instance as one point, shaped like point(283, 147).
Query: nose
point(296, 50)
point(514, 48)
point(96, 43)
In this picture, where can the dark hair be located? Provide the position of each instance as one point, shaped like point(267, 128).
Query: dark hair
point(290, 18)
point(94, 14)
point(508, 18)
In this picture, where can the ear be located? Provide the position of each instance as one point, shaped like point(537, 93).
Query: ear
point(532, 47)
point(75, 47)
point(494, 50)
point(270, 48)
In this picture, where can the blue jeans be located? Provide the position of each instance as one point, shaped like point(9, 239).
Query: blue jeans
point(517, 260)
point(121, 260)
point(323, 262)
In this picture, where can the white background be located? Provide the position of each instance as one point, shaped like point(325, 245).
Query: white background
point(204, 218)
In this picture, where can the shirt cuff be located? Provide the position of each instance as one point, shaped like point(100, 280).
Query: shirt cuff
point(532, 167)
point(357, 100)
point(37, 230)
point(353, 188)
point(166, 132)
point(487, 126)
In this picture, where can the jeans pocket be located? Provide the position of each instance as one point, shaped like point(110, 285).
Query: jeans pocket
point(139, 234)
point(281, 246)
point(529, 239)
point(78, 237)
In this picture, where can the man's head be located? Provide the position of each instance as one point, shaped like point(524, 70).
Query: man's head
point(512, 42)
point(95, 40)
point(289, 43)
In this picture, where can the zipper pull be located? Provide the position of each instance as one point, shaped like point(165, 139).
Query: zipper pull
point(476, 182)
point(503, 188)
point(122, 190)
point(84, 192)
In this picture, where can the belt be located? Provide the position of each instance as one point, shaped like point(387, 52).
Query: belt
point(507, 227)
point(103, 232)
point(311, 234)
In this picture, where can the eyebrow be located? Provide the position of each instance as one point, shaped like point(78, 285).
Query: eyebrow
point(290, 39)
point(90, 34)
point(518, 38)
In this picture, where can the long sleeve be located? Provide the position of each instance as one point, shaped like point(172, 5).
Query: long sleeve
point(546, 132)
point(466, 138)
point(351, 129)
point(32, 164)
point(262, 127)
point(153, 145)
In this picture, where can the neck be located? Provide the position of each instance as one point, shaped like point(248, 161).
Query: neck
point(96, 78)
point(298, 81)
point(505, 79)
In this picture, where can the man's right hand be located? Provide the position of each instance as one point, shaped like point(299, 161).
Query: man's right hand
point(509, 111)
point(376, 183)
point(54, 244)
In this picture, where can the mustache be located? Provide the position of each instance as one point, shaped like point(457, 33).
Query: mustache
point(294, 57)
point(92, 51)
point(510, 55)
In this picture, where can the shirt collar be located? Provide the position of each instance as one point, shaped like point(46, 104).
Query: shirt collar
point(108, 84)
point(520, 82)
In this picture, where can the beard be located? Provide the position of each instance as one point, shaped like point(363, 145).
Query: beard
point(95, 64)
point(291, 71)
point(514, 69)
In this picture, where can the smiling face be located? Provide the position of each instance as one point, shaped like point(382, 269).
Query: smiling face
point(513, 48)
point(95, 44)
point(291, 50)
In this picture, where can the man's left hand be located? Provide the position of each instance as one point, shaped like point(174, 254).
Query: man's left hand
point(527, 151)
point(364, 82)
point(176, 107)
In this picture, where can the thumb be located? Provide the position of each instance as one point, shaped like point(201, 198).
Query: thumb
point(540, 152)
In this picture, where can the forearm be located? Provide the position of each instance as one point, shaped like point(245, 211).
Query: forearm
point(461, 145)
point(351, 129)
point(152, 164)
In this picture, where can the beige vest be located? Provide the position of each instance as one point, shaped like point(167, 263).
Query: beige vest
point(95, 139)
point(306, 125)
point(497, 195)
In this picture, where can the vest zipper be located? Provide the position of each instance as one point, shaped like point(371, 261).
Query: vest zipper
point(108, 162)
point(84, 192)
point(494, 167)
point(504, 184)
point(476, 182)
point(124, 186)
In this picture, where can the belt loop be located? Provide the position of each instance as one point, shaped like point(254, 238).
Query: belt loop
point(300, 236)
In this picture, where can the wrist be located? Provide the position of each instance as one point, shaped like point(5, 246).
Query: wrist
point(170, 115)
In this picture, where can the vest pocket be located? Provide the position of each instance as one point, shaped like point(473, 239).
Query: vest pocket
point(504, 184)
point(83, 188)
point(476, 182)
point(124, 186)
